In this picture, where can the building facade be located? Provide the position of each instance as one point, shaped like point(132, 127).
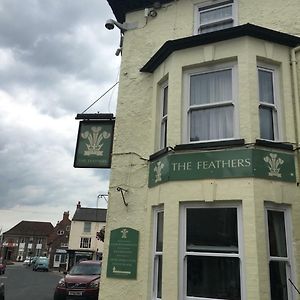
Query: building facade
point(26, 239)
point(83, 241)
point(58, 243)
point(206, 151)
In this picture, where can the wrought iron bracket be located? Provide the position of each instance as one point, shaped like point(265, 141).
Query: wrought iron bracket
point(121, 190)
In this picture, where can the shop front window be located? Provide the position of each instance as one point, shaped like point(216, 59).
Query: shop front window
point(211, 255)
point(158, 253)
point(279, 254)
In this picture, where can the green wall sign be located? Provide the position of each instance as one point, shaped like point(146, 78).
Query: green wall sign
point(123, 251)
point(258, 163)
point(94, 144)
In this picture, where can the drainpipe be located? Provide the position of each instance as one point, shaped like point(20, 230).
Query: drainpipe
point(297, 100)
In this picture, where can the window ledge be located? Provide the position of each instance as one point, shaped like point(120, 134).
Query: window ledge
point(158, 154)
point(272, 144)
point(212, 145)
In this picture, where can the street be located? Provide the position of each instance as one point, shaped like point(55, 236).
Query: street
point(21, 283)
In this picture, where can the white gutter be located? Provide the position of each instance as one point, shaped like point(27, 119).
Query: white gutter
point(295, 83)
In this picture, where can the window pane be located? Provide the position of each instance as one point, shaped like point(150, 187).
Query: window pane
point(219, 26)
point(213, 277)
point(212, 230)
point(211, 87)
point(159, 235)
point(165, 101)
point(266, 123)
point(277, 238)
point(216, 14)
point(87, 226)
point(278, 280)
point(159, 277)
point(266, 93)
point(211, 124)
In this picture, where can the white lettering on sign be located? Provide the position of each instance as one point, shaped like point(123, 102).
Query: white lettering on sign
point(222, 164)
point(182, 166)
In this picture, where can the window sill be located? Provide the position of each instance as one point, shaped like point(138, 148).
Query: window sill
point(211, 145)
point(275, 145)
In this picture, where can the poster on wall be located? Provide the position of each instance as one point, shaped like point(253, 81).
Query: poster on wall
point(123, 252)
point(94, 143)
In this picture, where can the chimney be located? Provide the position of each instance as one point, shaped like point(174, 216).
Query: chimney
point(66, 215)
point(78, 204)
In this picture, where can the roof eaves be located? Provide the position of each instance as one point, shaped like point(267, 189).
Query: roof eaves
point(121, 7)
point(221, 35)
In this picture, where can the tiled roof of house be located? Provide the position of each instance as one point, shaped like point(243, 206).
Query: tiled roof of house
point(31, 228)
point(90, 214)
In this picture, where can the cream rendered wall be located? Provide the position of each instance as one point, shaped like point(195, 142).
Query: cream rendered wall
point(77, 232)
point(136, 137)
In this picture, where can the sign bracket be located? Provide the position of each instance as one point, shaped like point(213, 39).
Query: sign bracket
point(121, 190)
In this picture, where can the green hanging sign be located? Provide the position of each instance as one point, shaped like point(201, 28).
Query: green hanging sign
point(123, 253)
point(94, 144)
point(259, 163)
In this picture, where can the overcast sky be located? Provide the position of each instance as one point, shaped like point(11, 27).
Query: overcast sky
point(56, 58)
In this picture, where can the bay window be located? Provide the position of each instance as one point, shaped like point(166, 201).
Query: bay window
point(211, 105)
point(268, 110)
point(158, 253)
point(279, 254)
point(211, 253)
point(164, 115)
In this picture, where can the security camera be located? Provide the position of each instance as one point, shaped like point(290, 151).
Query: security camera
point(110, 24)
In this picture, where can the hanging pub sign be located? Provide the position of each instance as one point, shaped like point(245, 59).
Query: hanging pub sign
point(94, 141)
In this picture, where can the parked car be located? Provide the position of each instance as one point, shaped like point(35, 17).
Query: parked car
point(1, 291)
point(81, 282)
point(27, 261)
point(2, 266)
point(41, 263)
point(33, 260)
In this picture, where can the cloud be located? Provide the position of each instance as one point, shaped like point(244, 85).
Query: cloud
point(56, 59)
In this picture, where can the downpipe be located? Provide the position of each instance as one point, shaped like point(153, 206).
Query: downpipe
point(295, 84)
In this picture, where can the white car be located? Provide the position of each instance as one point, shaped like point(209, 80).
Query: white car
point(27, 261)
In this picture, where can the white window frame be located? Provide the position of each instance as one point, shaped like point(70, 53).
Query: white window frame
point(233, 102)
point(156, 254)
point(276, 114)
point(85, 242)
point(289, 245)
point(183, 254)
point(211, 5)
point(87, 227)
point(163, 125)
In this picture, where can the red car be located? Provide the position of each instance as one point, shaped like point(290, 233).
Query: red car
point(2, 267)
point(82, 282)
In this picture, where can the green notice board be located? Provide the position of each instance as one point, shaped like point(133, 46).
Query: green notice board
point(123, 251)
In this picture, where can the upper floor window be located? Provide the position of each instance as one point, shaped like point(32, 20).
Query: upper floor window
point(216, 16)
point(87, 227)
point(268, 108)
point(60, 232)
point(85, 242)
point(211, 104)
point(164, 115)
